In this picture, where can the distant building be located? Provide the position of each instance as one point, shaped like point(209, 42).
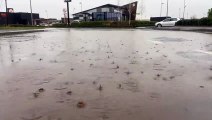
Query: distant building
point(65, 20)
point(18, 18)
point(108, 12)
point(46, 22)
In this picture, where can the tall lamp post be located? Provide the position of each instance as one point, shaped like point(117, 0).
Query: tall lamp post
point(67, 1)
point(167, 12)
point(179, 12)
point(32, 23)
point(81, 5)
point(161, 8)
point(6, 13)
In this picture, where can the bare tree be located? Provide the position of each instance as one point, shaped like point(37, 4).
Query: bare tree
point(184, 8)
point(130, 13)
point(118, 2)
point(65, 15)
point(194, 17)
point(119, 9)
point(142, 8)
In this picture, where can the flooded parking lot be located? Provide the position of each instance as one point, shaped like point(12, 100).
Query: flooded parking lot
point(106, 74)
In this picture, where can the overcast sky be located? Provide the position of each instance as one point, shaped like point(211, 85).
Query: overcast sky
point(54, 8)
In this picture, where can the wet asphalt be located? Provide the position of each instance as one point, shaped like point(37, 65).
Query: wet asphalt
point(106, 74)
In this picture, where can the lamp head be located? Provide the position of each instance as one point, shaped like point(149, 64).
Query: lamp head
point(67, 0)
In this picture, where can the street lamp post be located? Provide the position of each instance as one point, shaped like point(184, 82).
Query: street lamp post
point(179, 12)
point(47, 17)
point(67, 1)
point(81, 6)
point(6, 13)
point(32, 23)
point(161, 8)
point(167, 12)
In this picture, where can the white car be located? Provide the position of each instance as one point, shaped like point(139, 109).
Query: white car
point(169, 22)
point(76, 21)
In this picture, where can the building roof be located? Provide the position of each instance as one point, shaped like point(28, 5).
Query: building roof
point(19, 13)
point(106, 5)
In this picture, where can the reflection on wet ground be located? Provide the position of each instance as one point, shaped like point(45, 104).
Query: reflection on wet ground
point(201, 55)
point(98, 74)
point(209, 47)
point(167, 39)
point(19, 38)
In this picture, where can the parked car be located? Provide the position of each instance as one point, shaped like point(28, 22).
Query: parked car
point(44, 24)
point(169, 22)
point(76, 21)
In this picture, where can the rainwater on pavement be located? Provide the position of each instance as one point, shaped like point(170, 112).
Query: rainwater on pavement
point(106, 74)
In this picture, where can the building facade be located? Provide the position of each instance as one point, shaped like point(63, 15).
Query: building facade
point(18, 18)
point(108, 12)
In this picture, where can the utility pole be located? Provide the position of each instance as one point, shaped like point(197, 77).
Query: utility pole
point(67, 1)
point(161, 8)
point(6, 13)
point(167, 12)
point(32, 21)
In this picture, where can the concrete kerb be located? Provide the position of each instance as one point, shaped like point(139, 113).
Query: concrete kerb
point(190, 29)
point(19, 32)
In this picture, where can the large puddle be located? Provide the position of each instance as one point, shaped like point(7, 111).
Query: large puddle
point(106, 74)
point(167, 39)
point(197, 55)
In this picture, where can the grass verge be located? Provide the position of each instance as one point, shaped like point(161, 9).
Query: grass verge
point(20, 28)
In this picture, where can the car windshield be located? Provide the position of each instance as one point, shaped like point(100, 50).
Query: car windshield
point(174, 19)
point(166, 20)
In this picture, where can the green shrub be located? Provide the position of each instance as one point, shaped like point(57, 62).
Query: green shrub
point(113, 24)
point(142, 23)
point(60, 25)
point(90, 24)
point(20, 25)
point(195, 22)
point(210, 13)
point(206, 22)
point(123, 24)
